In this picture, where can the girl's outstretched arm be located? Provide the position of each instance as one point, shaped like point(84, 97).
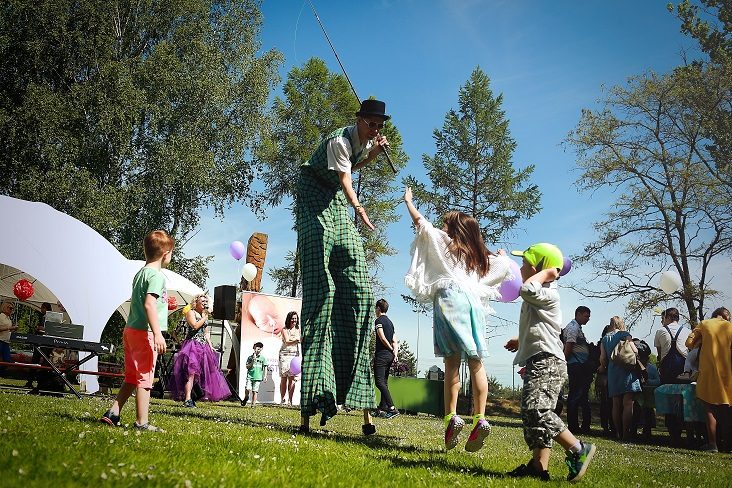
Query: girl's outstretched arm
point(413, 212)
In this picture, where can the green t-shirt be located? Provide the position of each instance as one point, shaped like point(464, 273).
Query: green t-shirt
point(256, 372)
point(148, 281)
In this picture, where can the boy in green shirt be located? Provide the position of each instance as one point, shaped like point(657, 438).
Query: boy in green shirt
point(143, 338)
point(256, 373)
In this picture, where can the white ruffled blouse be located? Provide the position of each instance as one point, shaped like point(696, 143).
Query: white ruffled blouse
point(434, 267)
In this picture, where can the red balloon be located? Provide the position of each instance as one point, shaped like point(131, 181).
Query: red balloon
point(172, 303)
point(23, 289)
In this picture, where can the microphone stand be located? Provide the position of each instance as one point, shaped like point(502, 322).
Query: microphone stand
point(220, 350)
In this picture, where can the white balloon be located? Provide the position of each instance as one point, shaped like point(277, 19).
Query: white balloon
point(670, 282)
point(249, 272)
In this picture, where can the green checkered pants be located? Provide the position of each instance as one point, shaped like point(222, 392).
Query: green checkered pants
point(336, 304)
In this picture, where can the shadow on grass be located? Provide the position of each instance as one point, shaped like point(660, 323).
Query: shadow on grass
point(378, 441)
point(442, 463)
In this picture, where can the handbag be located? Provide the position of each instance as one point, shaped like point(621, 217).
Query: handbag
point(625, 355)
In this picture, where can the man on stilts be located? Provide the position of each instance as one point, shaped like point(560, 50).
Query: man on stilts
point(337, 299)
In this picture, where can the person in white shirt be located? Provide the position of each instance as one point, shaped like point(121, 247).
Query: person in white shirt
point(670, 342)
point(671, 359)
point(337, 298)
point(6, 327)
point(453, 269)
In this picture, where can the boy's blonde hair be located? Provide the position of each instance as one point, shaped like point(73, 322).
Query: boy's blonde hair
point(157, 243)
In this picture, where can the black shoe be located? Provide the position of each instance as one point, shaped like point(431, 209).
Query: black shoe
point(245, 400)
point(189, 404)
point(368, 429)
point(110, 419)
point(303, 429)
point(528, 470)
point(391, 413)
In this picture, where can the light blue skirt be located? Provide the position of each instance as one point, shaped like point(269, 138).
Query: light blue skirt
point(459, 324)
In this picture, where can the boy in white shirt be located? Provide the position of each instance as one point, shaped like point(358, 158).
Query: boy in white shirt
point(539, 349)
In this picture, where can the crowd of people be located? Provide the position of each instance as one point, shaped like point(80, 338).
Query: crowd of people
point(680, 360)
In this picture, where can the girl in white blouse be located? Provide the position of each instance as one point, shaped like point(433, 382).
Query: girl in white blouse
point(452, 269)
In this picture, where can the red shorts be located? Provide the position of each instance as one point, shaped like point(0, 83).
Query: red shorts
point(140, 357)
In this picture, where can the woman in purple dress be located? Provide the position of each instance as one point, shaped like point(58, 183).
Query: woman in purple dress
point(197, 362)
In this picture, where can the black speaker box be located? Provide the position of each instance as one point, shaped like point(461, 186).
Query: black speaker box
point(224, 305)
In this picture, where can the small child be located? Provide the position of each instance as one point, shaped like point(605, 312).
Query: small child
point(539, 349)
point(646, 416)
point(453, 269)
point(143, 338)
point(256, 373)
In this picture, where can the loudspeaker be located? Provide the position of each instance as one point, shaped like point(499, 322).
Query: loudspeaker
point(224, 306)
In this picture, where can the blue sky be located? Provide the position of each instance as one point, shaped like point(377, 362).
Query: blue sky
point(548, 60)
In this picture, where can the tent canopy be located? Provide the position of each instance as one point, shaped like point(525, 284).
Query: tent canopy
point(81, 269)
point(179, 287)
point(9, 276)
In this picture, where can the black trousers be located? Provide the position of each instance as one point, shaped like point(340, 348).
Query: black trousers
point(580, 379)
point(382, 364)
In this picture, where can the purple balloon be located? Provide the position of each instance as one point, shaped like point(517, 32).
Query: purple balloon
point(295, 366)
point(567, 267)
point(237, 250)
point(510, 289)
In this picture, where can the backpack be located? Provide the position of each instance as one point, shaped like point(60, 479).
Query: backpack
point(593, 360)
point(672, 364)
point(625, 355)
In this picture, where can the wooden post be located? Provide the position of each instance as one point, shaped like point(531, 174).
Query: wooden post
point(256, 254)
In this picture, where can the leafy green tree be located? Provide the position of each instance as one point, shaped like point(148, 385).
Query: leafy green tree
point(710, 23)
point(646, 146)
point(709, 81)
point(315, 103)
point(287, 278)
point(132, 116)
point(472, 170)
point(406, 363)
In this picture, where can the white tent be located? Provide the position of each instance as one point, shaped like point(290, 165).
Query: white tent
point(83, 270)
point(179, 287)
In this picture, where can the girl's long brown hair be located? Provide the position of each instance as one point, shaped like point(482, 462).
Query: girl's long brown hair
point(467, 242)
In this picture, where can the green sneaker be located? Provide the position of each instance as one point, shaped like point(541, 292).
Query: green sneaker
point(578, 462)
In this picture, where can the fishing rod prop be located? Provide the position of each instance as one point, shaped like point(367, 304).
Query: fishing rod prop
point(327, 37)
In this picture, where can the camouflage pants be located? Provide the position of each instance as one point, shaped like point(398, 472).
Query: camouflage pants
point(543, 379)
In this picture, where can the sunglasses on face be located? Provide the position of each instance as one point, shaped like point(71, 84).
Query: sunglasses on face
point(373, 125)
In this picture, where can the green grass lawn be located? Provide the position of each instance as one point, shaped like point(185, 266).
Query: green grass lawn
point(47, 441)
